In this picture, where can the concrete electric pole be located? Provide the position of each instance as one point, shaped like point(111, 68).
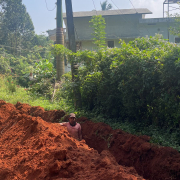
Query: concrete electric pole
point(59, 39)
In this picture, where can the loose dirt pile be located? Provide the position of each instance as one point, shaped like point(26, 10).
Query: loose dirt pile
point(33, 149)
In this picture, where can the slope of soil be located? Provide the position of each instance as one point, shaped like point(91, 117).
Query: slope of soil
point(149, 160)
point(34, 149)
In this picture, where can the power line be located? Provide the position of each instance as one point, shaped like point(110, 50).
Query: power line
point(137, 12)
point(133, 6)
point(48, 8)
point(117, 8)
point(96, 14)
point(124, 14)
point(94, 6)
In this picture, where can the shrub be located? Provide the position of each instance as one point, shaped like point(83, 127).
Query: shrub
point(42, 84)
point(138, 82)
point(10, 84)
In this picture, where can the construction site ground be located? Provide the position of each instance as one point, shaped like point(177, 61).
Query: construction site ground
point(33, 146)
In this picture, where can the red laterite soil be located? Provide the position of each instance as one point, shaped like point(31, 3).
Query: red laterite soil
point(33, 146)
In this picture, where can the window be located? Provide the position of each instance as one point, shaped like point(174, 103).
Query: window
point(177, 40)
point(110, 44)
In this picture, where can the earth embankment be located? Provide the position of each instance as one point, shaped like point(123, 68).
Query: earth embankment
point(34, 146)
point(151, 161)
point(34, 149)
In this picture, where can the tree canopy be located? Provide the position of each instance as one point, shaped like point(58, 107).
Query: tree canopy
point(16, 26)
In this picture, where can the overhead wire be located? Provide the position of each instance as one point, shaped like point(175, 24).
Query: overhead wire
point(48, 8)
point(133, 6)
point(119, 11)
point(124, 14)
point(94, 6)
point(137, 12)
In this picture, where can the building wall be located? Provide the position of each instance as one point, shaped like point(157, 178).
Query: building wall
point(125, 27)
point(88, 45)
point(150, 27)
point(117, 26)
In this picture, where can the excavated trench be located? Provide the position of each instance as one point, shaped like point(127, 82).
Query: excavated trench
point(149, 160)
point(34, 146)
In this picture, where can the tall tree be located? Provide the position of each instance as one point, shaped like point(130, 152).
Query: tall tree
point(105, 6)
point(16, 25)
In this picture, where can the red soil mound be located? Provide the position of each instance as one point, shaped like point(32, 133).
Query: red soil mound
point(37, 111)
point(33, 149)
point(150, 161)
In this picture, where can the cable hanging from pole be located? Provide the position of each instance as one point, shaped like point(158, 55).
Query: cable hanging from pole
point(128, 20)
point(137, 12)
point(94, 7)
point(48, 8)
point(133, 6)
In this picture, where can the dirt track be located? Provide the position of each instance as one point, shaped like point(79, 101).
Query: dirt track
point(33, 149)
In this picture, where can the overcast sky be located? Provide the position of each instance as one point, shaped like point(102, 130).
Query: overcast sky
point(43, 12)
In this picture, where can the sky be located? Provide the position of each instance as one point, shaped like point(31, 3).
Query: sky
point(43, 12)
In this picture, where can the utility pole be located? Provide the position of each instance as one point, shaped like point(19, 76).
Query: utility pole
point(70, 24)
point(168, 20)
point(72, 47)
point(59, 39)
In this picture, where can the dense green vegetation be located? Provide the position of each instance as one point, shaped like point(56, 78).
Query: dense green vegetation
point(135, 87)
point(11, 92)
point(136, 84)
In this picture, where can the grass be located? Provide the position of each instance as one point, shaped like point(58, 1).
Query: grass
point(22, 95)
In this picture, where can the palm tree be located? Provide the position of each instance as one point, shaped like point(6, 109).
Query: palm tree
point(105, 6)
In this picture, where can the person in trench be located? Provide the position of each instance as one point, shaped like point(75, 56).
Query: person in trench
point(73, 127)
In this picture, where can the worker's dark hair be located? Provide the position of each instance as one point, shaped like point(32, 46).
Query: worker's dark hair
point(72, 115)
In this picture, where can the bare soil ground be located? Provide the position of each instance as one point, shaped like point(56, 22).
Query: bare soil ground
point(33, 146)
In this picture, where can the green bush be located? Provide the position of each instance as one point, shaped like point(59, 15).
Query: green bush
point(42, 84)
point(138, 82)
point(10, 84)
